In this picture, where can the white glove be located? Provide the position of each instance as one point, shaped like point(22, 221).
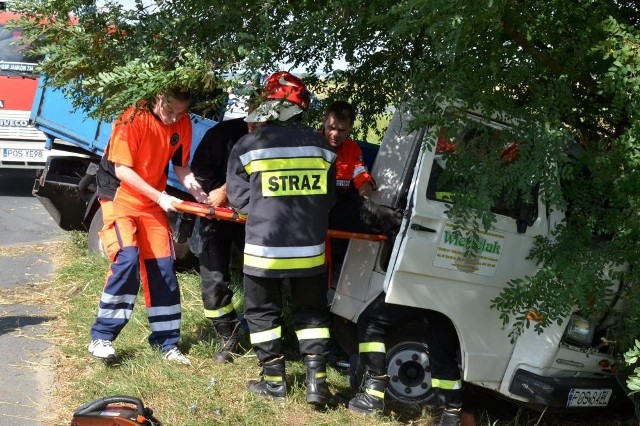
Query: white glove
point(165, 200)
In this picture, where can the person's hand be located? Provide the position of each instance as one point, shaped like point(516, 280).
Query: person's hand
point(365, 190)
point(218, 197)
point(165, 200)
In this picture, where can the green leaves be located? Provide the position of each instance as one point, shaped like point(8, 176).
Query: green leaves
point(631, 358)
point(566, 72)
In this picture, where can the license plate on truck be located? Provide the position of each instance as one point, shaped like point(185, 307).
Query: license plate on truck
point(588, 397)
point(21, 154)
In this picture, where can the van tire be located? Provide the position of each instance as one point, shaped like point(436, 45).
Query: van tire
point(408, 365)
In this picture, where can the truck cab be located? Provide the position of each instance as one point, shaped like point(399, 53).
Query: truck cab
point(429, 266)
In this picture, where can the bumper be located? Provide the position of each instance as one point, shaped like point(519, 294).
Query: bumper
point(554, 391)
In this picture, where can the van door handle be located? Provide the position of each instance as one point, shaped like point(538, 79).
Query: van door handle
point(417, 227)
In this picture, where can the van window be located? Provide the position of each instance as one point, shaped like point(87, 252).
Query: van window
point(441, 187)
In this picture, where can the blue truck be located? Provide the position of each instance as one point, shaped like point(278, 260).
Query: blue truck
point(66, 186)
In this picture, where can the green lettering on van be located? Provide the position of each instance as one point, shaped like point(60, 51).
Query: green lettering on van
point(480, 244)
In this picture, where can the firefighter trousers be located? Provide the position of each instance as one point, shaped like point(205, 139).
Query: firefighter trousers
point(140, 246)
point(263, 312)
point(380, 319)
point(218, 239)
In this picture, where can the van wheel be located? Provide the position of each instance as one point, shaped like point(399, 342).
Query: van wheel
point(408, 364)
point(410, 373)
point(93, 240)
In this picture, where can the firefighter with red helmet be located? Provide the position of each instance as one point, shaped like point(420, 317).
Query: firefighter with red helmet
point(282, 176)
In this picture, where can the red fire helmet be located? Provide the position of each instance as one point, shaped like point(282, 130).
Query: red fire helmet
point(282, 85)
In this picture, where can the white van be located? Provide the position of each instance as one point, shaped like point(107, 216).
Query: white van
point(428, 267)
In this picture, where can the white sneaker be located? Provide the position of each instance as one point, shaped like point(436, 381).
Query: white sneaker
point(174, 355)
point(102, 349)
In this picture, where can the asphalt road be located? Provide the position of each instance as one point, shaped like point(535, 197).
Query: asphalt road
point(26, 262)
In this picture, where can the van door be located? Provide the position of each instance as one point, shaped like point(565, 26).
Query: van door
point(431, 269)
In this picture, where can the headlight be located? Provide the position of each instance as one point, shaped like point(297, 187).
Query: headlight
point(579, 331)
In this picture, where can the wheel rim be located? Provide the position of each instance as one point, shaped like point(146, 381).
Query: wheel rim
point(410, 373)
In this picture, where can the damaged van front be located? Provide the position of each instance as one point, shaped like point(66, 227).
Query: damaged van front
point(438, 264)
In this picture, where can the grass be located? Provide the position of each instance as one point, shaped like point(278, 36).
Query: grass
point(204, 393)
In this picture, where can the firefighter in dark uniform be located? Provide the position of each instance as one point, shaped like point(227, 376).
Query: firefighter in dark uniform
point(283, 177)
point(379, 320)
point(215, 239)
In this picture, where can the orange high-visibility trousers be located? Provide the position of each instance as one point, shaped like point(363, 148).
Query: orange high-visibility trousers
point(140, 246)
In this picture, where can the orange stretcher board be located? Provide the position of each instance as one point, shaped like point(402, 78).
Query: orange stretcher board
point(226, 213)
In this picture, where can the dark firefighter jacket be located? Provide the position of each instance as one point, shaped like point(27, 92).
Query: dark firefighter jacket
point(283, 178)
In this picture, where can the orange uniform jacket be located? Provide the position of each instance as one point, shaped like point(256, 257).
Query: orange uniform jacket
point(351, 170)
point(146, 145)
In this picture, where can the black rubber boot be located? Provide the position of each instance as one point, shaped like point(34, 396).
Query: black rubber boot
point(448, 416)
point(317, 388)
point(371, 396)
point(228, 332)
point(272, 381)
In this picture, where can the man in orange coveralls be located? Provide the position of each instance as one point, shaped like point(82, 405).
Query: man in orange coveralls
point(136, 235)
point(354, 211)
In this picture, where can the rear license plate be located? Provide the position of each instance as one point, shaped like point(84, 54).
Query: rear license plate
point(588, 397)
point(21, 154)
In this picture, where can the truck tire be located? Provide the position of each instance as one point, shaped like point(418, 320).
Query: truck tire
point(407, 361)
point(93, 240)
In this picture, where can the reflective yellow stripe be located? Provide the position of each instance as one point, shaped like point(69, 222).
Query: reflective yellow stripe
point(287, 163)
point(288, 263)
point(265, 336)
point(374, 393)
point(320, 375)
point(294, 182)
point(272, 378)
point(372, 347)
point(287, 152)
point(217, 313)
point(446, 384)
point(312, 333)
